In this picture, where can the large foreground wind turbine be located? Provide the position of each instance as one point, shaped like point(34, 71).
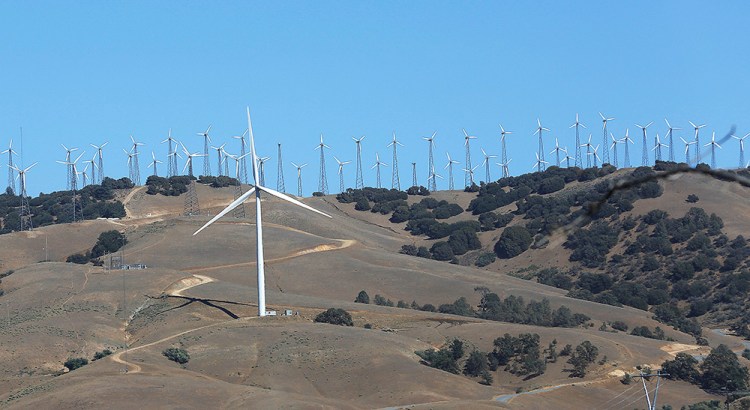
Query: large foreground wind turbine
point(256, 190)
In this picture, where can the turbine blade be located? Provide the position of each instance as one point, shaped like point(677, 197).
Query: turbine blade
point(237, 202)
point(290, 199)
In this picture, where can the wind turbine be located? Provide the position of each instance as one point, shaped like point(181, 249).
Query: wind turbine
point(101, 160)
point(697, 142)
point(578, 162)
point(189, 161)
point(486, 164)
point(206, 142)
point(225, 156)
point(449, 165)
point(504, 166)
point(613, 147)
point(299, 178)
point(242, 176)
point(341, 172)
point(414, 174)
point(588, 152)
point(358, 183)
point(742, 148)
point(504, 154)
point(25, 211)
point(433, 176)
point(131, 172)
point(567, 158)
point(279, 172)
point(687, 149)
point(468, 176)
point(136, 167)
point(219, 152)
point(595, 155)
point(258, 223)
point(261, 169)
point(11, 176)
point(557, 153)
point(538, 162)
point(91, 162)
point(671, 142)
point(378, 164)
point(713, 144)
point(323, 181)
point(430, 163)
point(470, 172)
point(644, 159)
point(658, 146)
point(604, 138)
point(540, 155)
point(153, 163)
point(171, 159)
point(74, 184)
point(626, 161)
point(68, 151)
point(85, 175)
point(395, 181)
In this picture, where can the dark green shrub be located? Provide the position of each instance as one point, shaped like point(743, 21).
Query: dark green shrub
point(100, 355)
point(513, 241)
point(335, 316)
point(362, 297)
point(176, 354)
point(75, 363)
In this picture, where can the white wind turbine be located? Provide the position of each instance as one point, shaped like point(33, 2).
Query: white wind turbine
point(644, 159)
point(206, 142)
point(11, 179)
point(625, 140)
point(687, 149)
point(567, 158)
point(153, 163)
point(538, 162)
point(433, 176)
point(171, 159)
point(557, 153)
point(341, 172)
point(540, 154)
point(430, 162)
point(742, 148)
point(658, 146)
point(588, 152)
point(449, 166)
point(468, 178)
point(713, 144)
point(504, 153)
point(378, 164)
point(596, 156)
point(486, 164)
point(299, 178)
point(471, 174)
point(578, 161)
point(261, 170)
point(101, 159)
point(671, 139)
point(604, 137)
point(91, 162)
point(395, 180)
point(697, 142)
point(504, 166)
point(189, 161)
point(258, 222)
point(219, 153)
point(22, 177)
point(613, 147)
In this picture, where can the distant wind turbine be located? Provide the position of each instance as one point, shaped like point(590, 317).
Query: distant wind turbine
point(504, 154)
point(670, 140)
point(540, 156)
point(468, 176)
point(378, 164)
point(578, 162)
point(713, 144)
point(341, 173)
point(449, 166)
point(742, 148)
point(644, 159)
point(395, 180)
point(697, 142)
point(486, 164)
point(605, 151)
point(299, 178)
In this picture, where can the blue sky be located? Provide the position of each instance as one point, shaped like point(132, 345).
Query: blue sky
point(90, 71)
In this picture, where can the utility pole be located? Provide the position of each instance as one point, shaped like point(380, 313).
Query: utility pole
point(651, 403)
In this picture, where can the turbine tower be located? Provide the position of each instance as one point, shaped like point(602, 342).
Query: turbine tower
point(171, 159)
point(557, 153)
point(671, 141)
point(24, 210)
point(588, 152)
point(644, 158)
point(153, 163)
point(77, 210)
point(605, 153)
point(261, 168)
point(626, 160)
point(192, 207)
point(206, 142)
point(131, 171)
point(713, 144)
point(540, 156)
point(658, 146)
point(189, 161)
point(256, 190)
point(504, 165)
point(576, 124)
point(414, 174)
point(596, 156)
point(395, 181)
point(242, 175)
point(101, 160)
point(468, 176)
point(433, 176)
point(91, 162)
point(219, 153)
point(567, 158)
point(538, 162)
point(687, 149)
point(279, 172)
point(341, 173)
point(430, 163)
point(470, 172)
point(323, 180)
point(239, 212)
point(613, 147)
point(11, 168)
point(742, 149)
point(68, 151)
point(697, 142)
point(358, 183)
point(299, 178)
point(378, 164)
point(504, 153)
point(136, 167)
point(449, 165)
point(486, 164)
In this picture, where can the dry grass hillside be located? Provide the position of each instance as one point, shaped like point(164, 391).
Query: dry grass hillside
point(199, 293)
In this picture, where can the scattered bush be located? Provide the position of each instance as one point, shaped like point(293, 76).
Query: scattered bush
point(335, 316)
point(176, 354)
point(75, 363)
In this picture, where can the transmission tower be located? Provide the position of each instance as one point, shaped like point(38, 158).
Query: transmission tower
point(11, 171)
point(395, 180)
point(191, 200)
point(414, 174)
point(279, 174)
point(323, 181)
point(468, 176)
point(359, 184)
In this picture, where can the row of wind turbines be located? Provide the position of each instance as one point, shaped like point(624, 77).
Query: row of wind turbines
point(584, 154)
